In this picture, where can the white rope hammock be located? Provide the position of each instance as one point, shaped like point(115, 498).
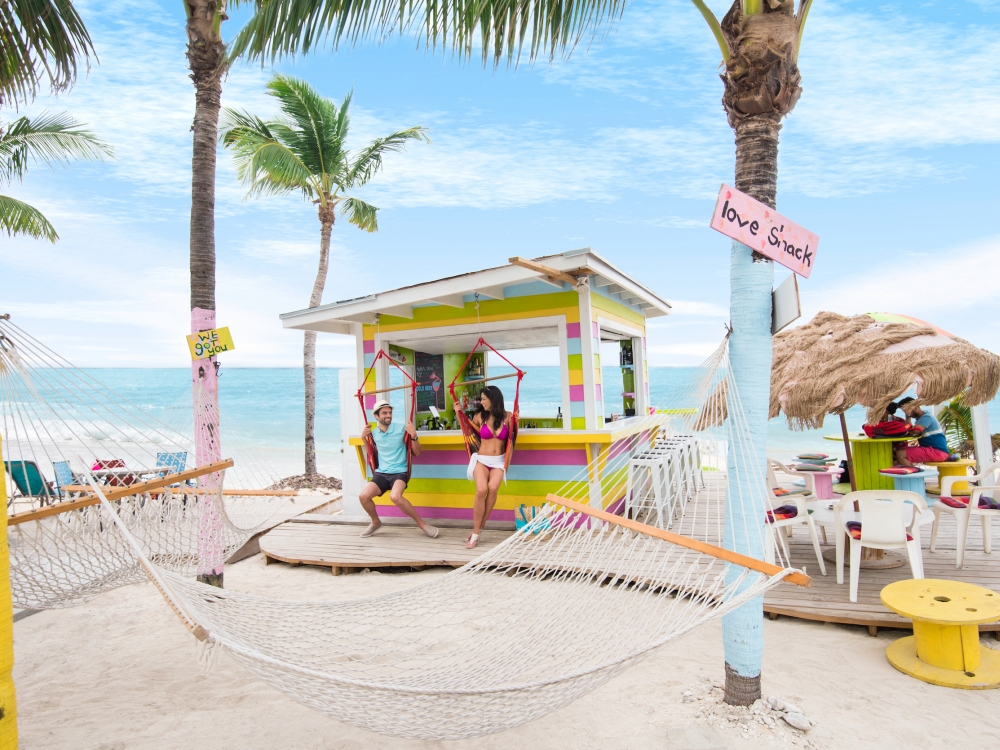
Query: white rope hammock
point(58, 419)
point(479, 650)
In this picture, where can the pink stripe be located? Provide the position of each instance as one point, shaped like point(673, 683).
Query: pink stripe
point(369, 402)
point(460, 514)
point(599, 392)
point(443, 458)
point(369, 347)
point(576, 393)
point(572, 330)
point(549, 458)
point(595, 329)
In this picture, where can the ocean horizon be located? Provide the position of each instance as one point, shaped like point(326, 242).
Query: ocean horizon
point(262, 408)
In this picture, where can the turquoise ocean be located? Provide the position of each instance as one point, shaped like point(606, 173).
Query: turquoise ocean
point(262, 408)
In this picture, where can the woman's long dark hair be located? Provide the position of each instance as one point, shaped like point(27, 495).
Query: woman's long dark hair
point(496, 414)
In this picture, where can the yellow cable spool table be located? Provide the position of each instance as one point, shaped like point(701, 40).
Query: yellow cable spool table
point(944, 648)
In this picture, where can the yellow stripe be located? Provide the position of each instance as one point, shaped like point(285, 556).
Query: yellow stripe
point(617, 310)
point(576, 377)
point(516, 308)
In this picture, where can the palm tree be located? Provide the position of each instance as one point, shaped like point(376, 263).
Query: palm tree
point(759, 41)
point(52, 139)
point(41, 39)
point(305, 151)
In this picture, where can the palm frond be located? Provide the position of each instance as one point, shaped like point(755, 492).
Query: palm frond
point(360, 214)
point(956, 421)
point(264, 161)
point(315, 123)
point(48, 138)
point(502, 28)
point(369, 160)
point(17, 218)
point(41, 39)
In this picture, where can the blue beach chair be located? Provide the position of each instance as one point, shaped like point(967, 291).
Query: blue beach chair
point(29, 481)
point(64, 476)
point(173, 462)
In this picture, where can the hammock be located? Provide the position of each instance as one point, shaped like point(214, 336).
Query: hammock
point(64, 547)
point(371, 450)
point(479, 650)
point(469, 431)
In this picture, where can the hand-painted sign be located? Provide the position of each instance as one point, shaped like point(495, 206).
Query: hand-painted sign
point(763, 229)
point(205, 344)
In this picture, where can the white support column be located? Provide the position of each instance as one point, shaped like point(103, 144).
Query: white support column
point(981, 437)
point(567, 418)
point(587, 355)
point(639, 368)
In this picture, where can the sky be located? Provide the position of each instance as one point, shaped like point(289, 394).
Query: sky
point(890, 157)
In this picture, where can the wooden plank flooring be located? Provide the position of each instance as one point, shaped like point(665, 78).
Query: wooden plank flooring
point(340, 547)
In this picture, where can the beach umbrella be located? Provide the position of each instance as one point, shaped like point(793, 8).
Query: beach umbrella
point(834, 362)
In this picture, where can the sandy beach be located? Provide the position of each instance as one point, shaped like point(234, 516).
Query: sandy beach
point(122, 673)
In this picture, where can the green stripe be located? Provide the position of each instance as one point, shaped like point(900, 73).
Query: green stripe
point(487, 308)
point(616, 308)
point(579, 423)
point(574, 361)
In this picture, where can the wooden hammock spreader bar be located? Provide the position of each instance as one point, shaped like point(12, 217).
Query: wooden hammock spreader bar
point(117, 493)
point(799, 579)
point(485, 380)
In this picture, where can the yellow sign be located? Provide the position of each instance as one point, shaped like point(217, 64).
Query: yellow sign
point(205, 344)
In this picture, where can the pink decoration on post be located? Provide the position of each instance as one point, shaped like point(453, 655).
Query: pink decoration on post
point(572, 330)
point(576, 393)
point(595, 329)
point(763, 229)
point(208, 449)
point(369, 346)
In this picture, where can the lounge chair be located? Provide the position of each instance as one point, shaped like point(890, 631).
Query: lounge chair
point(29, 481)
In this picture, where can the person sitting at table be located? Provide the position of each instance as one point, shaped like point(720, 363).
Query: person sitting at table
point(931, 445)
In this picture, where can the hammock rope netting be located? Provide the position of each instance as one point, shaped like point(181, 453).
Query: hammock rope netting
point(60, 421)
point(498, 642)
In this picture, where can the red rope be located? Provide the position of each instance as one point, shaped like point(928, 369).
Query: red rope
point(469, 432)
point(372, 452)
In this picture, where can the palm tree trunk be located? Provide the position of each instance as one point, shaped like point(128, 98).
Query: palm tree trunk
point(751, 280)
point(206, 58)
point(326, 218)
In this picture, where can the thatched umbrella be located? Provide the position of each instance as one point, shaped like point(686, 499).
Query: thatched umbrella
point(834, 362)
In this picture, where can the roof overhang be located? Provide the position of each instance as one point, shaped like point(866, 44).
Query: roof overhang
point(490, 283)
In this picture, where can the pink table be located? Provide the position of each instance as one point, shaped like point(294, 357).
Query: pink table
point(823, 481)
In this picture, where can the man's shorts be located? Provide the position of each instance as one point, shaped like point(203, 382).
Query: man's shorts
point(386, 481)
point(919, 454)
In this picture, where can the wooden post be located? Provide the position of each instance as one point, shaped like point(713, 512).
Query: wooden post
point(847, 447)
point(8, 699)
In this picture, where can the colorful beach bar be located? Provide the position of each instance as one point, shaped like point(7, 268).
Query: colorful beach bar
point(570, 303)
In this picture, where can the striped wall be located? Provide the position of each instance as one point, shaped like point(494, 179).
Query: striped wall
point(577, 397)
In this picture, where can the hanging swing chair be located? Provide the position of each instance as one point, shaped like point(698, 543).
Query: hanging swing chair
point(469, 431)
point(371, 452)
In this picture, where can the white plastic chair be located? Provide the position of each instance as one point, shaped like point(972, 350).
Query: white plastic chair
point(809, 476)
point(778, 529)
point(883, 526)
point(963, 515)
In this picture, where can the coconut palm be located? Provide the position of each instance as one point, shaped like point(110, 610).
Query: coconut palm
point(39, 40)
point(304, 151)
point(46, 139)
point(759, 41)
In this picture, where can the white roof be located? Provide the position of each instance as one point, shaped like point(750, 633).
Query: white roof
point(489, 283)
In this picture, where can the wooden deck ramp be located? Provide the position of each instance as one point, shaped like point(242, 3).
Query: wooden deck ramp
point(313, 540)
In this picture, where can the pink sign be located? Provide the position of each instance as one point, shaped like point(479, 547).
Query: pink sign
point(761, 228)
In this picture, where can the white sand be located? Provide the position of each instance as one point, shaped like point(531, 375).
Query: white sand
point(122, 673)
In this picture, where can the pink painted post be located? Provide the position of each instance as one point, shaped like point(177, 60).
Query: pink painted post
point(208, 449)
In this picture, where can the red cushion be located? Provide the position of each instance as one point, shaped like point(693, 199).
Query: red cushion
point(782, 513)
point(955, 502)
point(854, 529)
point(900, 470)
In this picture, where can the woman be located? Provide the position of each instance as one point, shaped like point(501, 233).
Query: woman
point(486, 468)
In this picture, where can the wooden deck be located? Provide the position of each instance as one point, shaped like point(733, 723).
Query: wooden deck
point(319, 540)
point(314, 540)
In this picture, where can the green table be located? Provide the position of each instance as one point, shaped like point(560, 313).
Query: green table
point(868, 456)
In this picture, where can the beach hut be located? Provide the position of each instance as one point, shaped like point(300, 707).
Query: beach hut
point(570, 303)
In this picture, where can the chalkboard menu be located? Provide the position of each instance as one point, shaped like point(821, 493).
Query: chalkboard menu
point(430, 380)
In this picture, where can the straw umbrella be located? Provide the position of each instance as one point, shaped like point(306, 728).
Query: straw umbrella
point(834, 362)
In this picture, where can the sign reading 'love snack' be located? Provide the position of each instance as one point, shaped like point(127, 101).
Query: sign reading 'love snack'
point(761, 228)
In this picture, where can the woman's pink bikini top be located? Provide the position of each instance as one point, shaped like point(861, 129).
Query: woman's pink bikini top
point(486, 433)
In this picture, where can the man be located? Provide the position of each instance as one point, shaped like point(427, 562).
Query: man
point(931, 446)
point(393, 468)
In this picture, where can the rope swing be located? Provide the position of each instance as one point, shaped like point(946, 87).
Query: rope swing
point(372, 451)
point(469, 431)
